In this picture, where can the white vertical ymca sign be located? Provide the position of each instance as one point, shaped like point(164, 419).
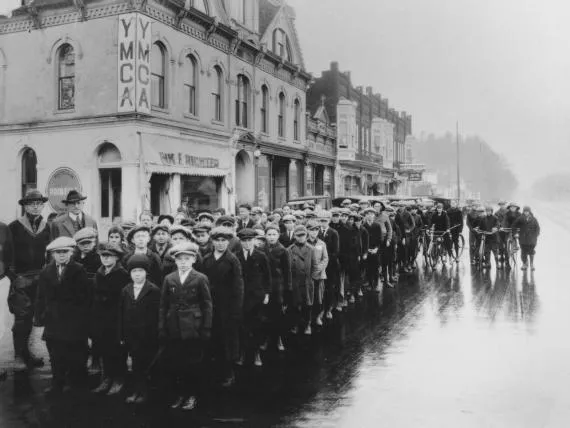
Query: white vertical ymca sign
point(134, 63)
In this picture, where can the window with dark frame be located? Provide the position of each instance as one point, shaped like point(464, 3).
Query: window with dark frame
point(281, 116)
point(217, 94)
point(158, 69)
point(66, 77)
point(190, 85)
point(296, 120)
point(243, 94)
point(264, 105)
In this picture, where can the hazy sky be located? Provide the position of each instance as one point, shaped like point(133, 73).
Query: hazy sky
point(499, 67)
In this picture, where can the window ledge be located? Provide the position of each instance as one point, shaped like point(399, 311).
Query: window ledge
point(191, 116)
point(282, 139)
point(66, 111)
point(217, 122)
point(264, 134)
point(160, 110)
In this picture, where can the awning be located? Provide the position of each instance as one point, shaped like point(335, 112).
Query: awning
point(165, 155)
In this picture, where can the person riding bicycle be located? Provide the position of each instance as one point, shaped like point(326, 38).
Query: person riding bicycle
point(439, 222)
point(456, 224)
point(513, 212)
point(490, 224)
point(472, 220)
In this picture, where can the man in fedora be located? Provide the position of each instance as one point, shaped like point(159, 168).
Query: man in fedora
point(31, 236)
point(75, 219)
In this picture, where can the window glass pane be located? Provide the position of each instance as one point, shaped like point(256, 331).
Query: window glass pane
point(66, 61)
point(264, 182)
point(157, 60)
point(199, 193)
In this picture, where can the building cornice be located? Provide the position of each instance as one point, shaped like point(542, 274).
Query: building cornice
point(168, 13)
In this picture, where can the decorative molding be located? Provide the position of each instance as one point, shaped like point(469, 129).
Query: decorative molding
point(65, 39)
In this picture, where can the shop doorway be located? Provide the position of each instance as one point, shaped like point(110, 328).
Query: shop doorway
point(280, 182)
point(159, 187)
point(245, 185)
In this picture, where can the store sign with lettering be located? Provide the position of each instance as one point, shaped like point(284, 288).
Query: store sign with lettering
point(415, 176)
point(60, 183)
point(134, 63)
point(182, 159)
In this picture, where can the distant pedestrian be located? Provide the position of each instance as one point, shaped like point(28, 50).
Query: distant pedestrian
point(528, 230)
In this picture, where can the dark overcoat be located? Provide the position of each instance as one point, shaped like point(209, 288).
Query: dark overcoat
point(186, 309)
point(302, 261)
point(350, 249)
point(331, 240)
point(91, 262)
point(62, 306)
point(227, 289)
point(29, 246)
point(256, 278)
point(529, 229)
point(106, 303)
point(286, 239)
point(280, 265)
point(138, 318)
point(63, 225)
point(154, 248)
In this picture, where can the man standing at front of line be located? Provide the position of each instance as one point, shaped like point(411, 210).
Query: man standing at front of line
point(75, 219)
point(31, 236)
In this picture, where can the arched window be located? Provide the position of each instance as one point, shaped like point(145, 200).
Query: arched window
point(190, 78)
point(158, 75)
point(29, 171)
point(217, 93)
point(281, 117)
point(110, 175)
point(297, 120)
point(66, 77)
point(264, 107)
point(281, 45)
point(201, 5)
point(243, 94)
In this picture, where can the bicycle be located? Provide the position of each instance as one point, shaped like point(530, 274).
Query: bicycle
point(423, 244)
point(436, 250)
point(481, 251)
point(456, 255)
point(511, 246)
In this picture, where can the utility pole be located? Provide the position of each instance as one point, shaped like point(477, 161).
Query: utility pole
point(458, 172)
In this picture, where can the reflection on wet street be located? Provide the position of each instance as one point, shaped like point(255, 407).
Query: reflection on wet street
point(444, 348)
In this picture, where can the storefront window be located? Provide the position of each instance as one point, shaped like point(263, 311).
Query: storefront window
point(200, 193)
point(263, 182)
point(309, 180)
point(327, 181)
point(293, 180)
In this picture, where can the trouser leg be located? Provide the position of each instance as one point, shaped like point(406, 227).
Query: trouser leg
point(21, 332)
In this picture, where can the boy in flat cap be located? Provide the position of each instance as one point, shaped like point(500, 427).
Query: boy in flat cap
point(287, 236)
point(234, 244)
point(86, 252)
point(178, 235)
point(319, 269)
point(185, 323)
point(24, 254)
point(280, 268)
point(223, 270)
point(62, 308)
point(202, 235)
point(302, 263)
point(138, 324)
point(160, 245)
point(109, 282)
point(257, 287)
point(139, 236)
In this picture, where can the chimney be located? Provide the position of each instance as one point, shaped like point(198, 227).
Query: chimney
point(334, 66)
point(369, 91)
point(403, 114)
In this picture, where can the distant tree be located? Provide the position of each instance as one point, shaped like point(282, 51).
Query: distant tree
point(484, 170)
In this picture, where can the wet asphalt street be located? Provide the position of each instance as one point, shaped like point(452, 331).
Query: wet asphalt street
point(445, 348)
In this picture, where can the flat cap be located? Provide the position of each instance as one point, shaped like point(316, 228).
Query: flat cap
point(106, 248)
point(335, 211)
point(313, 225)
point(324, 215)
point(205, 214)
point(138, 261)
point(354, 207)
point(368, 210)
point(345, 211)
point(222, 232)
point(165, 217)
point(300, 230)
point(311, 214)
point(355, 216)
point(225, 219)
point(514, 204)
point(137, 228)
point(61, 243)
point(299, 213)
point(158, 228)
point(257, 210)
point(87, 233)
point(184, 248)
point(346, 202)
point(201, 228)
point(181, 229)
point(289, 217)
point(246, 234)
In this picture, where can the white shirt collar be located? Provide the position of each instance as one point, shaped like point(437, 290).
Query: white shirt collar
point(184, 275)
point(75, 217)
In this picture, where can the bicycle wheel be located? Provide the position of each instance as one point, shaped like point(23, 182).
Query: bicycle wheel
point(512, 252)
point(481, 254)
point(460, 248)
point(434, 255)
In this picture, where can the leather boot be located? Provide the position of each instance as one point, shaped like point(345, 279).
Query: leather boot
point(103, 386)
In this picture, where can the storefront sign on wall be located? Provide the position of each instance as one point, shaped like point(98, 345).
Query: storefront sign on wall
point(182, 159)
point(415, 176)
point(60, 183)
point(134, 63)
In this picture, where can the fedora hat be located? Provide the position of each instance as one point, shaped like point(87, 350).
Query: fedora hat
point(32, 195)
point(73, 196)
